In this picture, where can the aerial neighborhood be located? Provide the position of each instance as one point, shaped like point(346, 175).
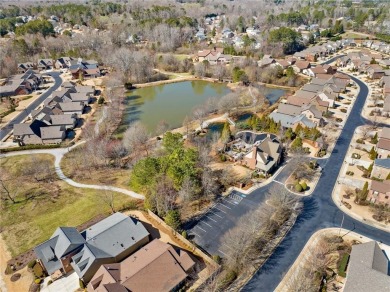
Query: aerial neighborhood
point(195, 146)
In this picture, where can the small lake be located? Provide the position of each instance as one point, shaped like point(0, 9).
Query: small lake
point(272, 94)
point(172, 102)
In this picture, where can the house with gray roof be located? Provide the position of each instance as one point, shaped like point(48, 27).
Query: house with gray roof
point(368, 269)
point(108, 241)
point(288, 121)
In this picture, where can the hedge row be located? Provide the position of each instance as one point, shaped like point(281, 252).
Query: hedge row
point(30, 147)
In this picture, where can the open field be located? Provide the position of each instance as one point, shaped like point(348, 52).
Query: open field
point(112, 176)
point(43, 206)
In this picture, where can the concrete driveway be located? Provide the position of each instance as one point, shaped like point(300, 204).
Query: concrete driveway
point(68, 283)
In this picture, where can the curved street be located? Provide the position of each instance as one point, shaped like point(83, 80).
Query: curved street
point(24, 114)
point(319, 209)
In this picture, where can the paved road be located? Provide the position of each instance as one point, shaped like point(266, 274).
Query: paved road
point(319, 210)
point(19, 118)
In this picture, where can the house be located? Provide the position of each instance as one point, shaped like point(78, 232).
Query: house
point(368, 269)
point(305, 94)
point(289, 109)
point(63, 62)
point(86, 69)
point(266, 61)
point(283, 63)
point(313, 114)
point(28, 133)
point(386, 104)
point(66, 121)
point(45, 64)
point(108, 241)
point(155, 267)
point(23, 67)
point(259, 152)
point(214, 56)
point(379, 192)
point(288, 121)
point(21, 84)
point(52, 135)
point(299, 66)
point(383, 145)
point(375, 73)
point(381, 168)
point(71, 107)
point(298, 101)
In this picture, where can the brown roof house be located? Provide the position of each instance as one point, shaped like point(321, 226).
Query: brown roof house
point(264, 156)
point(299, 66)
point(156, 267)
point(368, 269)
point(379, 192)
point(108, 241)
point(383, 145)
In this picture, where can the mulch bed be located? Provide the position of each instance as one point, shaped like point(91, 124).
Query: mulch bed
point(15, 277)
point(20, 261)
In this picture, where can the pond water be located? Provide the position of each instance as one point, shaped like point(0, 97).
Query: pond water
point(272, 94)
point(171, 103)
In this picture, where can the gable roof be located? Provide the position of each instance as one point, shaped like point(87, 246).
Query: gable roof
point(384, 162)
point(383, 144)
point(380, 187)
point(385, 133)
point(305, 94)
point(52, 132)
point(367, 269)
point(144, 269)
point(289, 109)
point(108, 239)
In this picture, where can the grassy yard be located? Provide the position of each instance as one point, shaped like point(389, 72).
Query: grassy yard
point(105, 175)
point(32, 220)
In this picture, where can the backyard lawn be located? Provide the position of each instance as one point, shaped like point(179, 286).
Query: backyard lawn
point(43, 206)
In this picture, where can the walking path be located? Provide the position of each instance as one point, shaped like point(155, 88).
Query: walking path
point(59, 154)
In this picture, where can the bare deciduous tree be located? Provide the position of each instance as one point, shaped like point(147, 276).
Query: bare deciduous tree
point(136, 138)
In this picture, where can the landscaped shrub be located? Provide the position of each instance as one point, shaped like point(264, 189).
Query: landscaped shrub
point(128, 85)
point(356, 155)
point(101, 100)
point(303, 185)
point(339, 120)
point(31, 264)
point(343, 265)
point(184, 234)
point(222, 157)
point(360, 141)
point(81, 283)
point(298, 188)
point(217, 258)
point(350, 173)
point(49, 282)
point(343, 110)
point(38, 281)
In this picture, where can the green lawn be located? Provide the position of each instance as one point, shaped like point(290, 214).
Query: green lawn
point(29, 222)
